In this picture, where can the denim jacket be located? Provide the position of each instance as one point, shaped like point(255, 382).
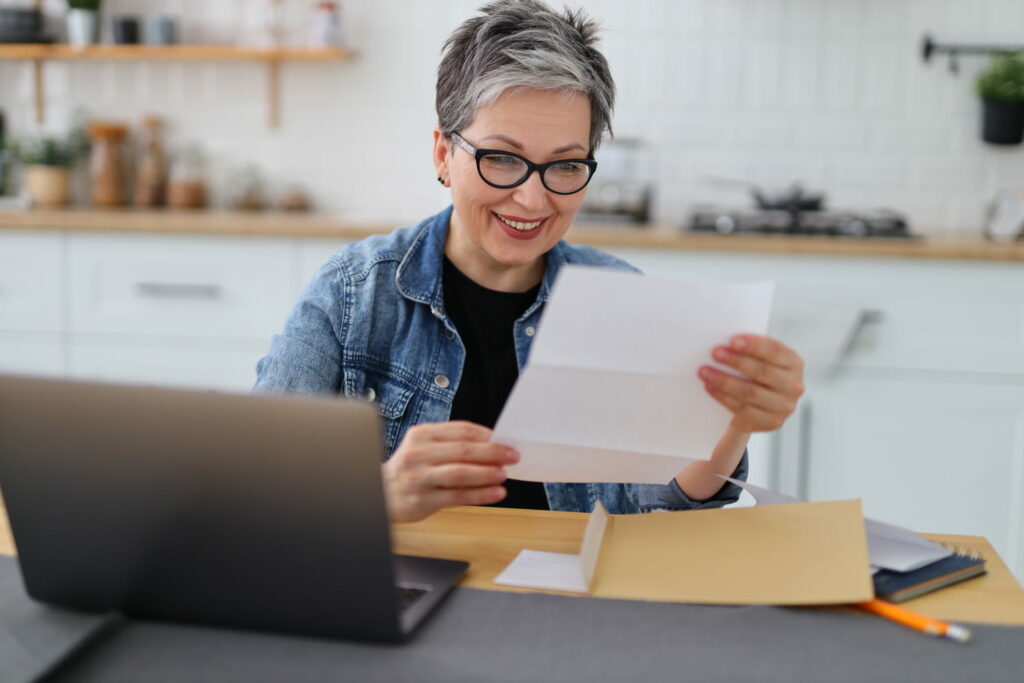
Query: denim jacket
point(371, 324)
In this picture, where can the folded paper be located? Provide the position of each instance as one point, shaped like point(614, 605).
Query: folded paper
point(611, 392)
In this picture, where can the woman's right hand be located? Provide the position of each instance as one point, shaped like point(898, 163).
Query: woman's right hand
point(442, 464)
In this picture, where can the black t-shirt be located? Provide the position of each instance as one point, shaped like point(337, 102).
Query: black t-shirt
point(484, 319)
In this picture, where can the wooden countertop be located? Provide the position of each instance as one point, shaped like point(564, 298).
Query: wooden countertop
point(661, 237)
point(490, 538)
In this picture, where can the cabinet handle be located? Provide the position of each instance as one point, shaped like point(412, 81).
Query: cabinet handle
point(868, 317)
point(177, 290)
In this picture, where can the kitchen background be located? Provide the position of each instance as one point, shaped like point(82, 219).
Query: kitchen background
point(832, 93)
point(915, 400)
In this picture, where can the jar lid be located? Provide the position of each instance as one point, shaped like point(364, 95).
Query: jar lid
point(108, 130)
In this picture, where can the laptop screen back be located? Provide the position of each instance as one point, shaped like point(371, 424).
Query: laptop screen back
point(235, 510)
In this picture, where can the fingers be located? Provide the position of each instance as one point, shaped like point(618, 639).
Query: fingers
point(459, 430)
point(771, 385)
point(787, 381)
point(441, 498)
point(466, 452)
point(769, 350)
point(746, 392)
point(463, 476)
point(748, 418)
point(437, 465)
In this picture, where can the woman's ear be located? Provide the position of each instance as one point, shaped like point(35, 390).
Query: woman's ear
point(442, 151)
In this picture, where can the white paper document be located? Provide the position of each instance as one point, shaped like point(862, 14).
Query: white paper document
point(611, 392)
point(889, 546)
point(540, 569)
point(560, 571)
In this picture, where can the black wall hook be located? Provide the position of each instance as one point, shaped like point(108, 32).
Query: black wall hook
point(930, 47)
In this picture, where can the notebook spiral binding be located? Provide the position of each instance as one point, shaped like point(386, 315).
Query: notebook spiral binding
point(963, 552)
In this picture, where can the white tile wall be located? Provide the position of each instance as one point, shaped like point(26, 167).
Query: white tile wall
point(829, 92)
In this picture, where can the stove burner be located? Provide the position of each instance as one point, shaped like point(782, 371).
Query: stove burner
point(875, 224)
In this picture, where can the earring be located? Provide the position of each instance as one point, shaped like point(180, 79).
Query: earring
point(439, 180)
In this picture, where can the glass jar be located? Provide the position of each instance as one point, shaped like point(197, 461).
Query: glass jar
point(325, 26)
point(107, 169)
point(245, 188)
point(151, 179)
point(187, 187)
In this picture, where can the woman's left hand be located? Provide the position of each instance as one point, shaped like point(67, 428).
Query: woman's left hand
point(775, 382)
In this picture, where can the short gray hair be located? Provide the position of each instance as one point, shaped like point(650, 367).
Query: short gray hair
point(522, 44)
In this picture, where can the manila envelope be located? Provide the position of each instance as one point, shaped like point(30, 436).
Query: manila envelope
point(798, 554)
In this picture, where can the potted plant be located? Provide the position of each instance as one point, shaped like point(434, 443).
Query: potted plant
point(1001, 87)
point(83, 22)
point(48, 161)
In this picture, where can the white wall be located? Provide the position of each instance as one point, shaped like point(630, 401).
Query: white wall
point(830, 92)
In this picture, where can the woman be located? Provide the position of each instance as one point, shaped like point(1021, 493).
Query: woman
point(434, 321)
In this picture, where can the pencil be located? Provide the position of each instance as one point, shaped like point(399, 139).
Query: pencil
point(916, 621)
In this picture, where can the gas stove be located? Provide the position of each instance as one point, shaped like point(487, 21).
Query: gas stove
point(827, 223)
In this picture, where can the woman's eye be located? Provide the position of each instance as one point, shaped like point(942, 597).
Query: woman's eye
point(570, 168)
point(501, 160)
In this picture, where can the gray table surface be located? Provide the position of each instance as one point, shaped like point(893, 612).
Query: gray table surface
point(491, 636)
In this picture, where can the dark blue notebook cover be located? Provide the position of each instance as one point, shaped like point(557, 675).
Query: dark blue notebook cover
point(899, 586)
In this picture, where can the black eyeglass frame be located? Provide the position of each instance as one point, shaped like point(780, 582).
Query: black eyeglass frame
point(479, 154)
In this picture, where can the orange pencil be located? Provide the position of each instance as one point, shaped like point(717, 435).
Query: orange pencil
point(916, 621)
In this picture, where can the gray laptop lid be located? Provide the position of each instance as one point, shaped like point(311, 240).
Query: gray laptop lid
point(249, 511)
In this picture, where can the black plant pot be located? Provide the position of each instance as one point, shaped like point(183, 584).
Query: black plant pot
point(1003, 122)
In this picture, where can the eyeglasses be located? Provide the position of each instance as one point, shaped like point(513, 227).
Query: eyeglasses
point(502, 169)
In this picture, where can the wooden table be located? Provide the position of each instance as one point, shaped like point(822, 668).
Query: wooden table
point(489, 538)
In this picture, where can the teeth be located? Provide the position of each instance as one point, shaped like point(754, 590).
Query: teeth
point(522, 227)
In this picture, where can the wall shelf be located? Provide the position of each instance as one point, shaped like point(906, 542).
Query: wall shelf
point(271, 57)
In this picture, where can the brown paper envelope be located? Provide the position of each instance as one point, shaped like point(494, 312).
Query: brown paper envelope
point(798, 554)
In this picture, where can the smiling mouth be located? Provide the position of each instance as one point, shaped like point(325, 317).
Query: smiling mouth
point(521, 226)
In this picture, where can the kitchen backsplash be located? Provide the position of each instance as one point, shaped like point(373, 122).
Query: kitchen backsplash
point(832, 93)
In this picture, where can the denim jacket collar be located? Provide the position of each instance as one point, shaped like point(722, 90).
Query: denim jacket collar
point(419, 273)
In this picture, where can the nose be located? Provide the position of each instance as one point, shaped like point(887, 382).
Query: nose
point(531, 195)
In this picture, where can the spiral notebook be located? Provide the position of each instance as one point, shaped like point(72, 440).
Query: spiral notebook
point(902, 586)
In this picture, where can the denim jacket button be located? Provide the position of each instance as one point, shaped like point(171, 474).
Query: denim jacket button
point(369, 395)
point(450, 335)
point(441, 381)
point(530, 331)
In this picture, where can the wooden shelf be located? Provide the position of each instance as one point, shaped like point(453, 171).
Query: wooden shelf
point(172, 52)
point(272, 57)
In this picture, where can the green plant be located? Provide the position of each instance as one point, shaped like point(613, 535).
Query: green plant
point(48, 150)
point(93, 5)
point(1003, 80)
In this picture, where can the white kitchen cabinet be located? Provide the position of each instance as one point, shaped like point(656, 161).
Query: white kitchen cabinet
point(32, 281)
point(932, 453)
point(179, 286)
point(311, 255)
point(219, 364)
point(941, 315)
point(192, 311)
point(32, 353)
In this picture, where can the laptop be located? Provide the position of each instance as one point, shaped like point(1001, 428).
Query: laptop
point(242, 511)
